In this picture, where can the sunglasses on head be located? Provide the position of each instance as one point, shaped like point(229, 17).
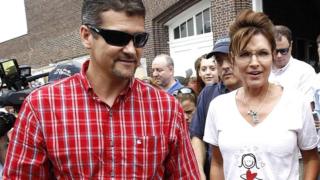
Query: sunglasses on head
point(119, 38)
point(183, 90)
point(282, 51)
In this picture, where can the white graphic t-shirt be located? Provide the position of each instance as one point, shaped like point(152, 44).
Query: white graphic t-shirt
point(270, 149)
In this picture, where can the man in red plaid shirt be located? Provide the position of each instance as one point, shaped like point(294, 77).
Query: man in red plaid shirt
point(102, 123)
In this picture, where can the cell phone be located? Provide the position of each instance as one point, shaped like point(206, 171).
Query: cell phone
point(316, 120)
point(315, 116)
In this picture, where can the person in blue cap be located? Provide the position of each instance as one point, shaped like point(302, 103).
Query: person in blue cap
point(63, 70)
point(228, 83)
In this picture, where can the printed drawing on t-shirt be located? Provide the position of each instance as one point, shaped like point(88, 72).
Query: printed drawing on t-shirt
point(249, 162)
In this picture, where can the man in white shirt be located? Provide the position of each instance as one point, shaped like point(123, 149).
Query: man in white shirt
point(288, 71)
point(316, 84)
point(316, 88)
point(318, 45)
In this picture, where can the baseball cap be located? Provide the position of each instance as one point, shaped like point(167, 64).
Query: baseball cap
point(63, 70)
point(221, 46)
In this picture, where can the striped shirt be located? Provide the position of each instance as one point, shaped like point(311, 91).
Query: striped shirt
point(65, 130)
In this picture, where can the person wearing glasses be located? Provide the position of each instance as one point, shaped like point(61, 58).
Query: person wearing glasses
point(257, 130)
point(163, 73)
point(188, 100)
point(102, 123)
point(229, 82)
point(288, 71)
point(316, 86)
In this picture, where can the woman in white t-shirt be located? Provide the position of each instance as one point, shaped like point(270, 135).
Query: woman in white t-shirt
point(258, 130)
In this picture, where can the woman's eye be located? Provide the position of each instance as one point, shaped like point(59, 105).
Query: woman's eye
point(263, 53)
point(203, 69)
point(244, 54)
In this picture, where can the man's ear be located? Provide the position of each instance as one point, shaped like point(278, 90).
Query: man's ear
point(86, 36)
point(171, 68)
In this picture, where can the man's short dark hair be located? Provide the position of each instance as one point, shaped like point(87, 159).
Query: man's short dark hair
point(281, 30)
point(92, 9)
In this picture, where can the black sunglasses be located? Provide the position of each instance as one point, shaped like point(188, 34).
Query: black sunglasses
point(119, 38)
point(282, 51)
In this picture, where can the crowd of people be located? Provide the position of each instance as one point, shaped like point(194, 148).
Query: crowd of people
point(251, 112)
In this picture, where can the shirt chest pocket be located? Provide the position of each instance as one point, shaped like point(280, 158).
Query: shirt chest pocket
point(119, 157)
point(141, 156)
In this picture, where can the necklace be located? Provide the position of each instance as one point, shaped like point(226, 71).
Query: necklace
point(255, 113)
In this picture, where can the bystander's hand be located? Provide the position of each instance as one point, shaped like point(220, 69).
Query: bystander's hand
point(9, 133)
point(317, 123)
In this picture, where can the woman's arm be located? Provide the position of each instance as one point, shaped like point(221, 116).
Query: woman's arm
point(310, 164)
point(216, 169)
point(199, 149)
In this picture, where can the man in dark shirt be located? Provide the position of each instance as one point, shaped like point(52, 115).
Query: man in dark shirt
point(229, 82)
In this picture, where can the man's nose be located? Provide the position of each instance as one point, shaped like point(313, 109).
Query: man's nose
point(278, 54)
point(186, 116)
point(129, 48)
point(154, 73)
point(225, 65)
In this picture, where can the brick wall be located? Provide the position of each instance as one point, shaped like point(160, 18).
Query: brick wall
point(158, 13)
point(158, 38)
point(53, 34)
point(224, 12)
point(53, 29)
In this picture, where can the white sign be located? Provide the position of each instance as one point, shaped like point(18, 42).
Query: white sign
point(12, 19)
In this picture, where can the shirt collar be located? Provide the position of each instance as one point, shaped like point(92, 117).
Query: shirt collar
point(83, 76)
point(222, 88)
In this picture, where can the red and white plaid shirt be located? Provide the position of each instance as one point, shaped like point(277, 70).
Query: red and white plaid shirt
point(65, 128)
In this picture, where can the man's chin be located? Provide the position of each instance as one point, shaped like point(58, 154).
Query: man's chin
point(227, 78)
point(229, 81)
point(280, 64)
point(124, 74)
point(157, 82)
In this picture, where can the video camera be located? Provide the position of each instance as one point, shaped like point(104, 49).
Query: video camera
point(6, 122)
point(15, 79)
